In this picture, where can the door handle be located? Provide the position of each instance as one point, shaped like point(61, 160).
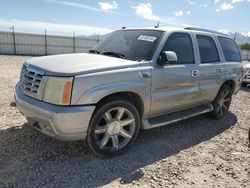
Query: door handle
point(145, 74)
point(195, 73)
point(220, 70)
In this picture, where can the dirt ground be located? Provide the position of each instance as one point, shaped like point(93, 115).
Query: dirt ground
point(199, 152)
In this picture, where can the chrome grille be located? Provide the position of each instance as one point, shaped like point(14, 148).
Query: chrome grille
point(31, 81)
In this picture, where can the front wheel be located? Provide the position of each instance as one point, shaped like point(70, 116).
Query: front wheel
point(113, 128)
point(222, 102)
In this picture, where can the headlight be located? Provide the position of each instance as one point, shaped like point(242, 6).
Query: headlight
point(58, 90)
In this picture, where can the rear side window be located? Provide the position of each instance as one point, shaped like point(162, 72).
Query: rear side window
point(182, 45)
point(208, 50)
point(230, 49)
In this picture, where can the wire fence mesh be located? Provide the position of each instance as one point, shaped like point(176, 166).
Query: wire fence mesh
point(245, 54)
point(36, 44)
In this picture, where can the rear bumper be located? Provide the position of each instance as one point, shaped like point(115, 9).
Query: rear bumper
point(60, 122)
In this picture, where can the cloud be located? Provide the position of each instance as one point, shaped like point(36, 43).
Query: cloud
point(225, 6)
point(216, 1)
point(179, 13)
point(108, 6)
point(237, 1)
point(191, 2)
point(55, 28)
point(82, 6)
point(145, 10)
point(73, 4)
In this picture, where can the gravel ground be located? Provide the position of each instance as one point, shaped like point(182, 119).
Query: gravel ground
point(199, 152)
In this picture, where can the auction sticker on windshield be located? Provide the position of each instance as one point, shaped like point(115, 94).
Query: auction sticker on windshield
point(146, 38)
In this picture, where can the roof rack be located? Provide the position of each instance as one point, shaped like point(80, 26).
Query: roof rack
point(205, 30)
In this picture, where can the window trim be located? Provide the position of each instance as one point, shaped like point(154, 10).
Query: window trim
point(235, 45)
point(192, 44)
point(206, 36)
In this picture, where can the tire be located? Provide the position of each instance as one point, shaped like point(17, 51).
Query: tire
point(113, 128)
point(222, 102)
point(243, 84)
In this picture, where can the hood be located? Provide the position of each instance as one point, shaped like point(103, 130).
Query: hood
point(73, 64)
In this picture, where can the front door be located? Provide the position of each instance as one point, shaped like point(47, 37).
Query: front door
point(176, 86)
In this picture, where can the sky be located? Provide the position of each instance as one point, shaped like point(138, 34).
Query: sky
point(86, 17)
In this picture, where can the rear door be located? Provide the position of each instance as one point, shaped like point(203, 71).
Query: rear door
point(232, 62)
point(210, 67)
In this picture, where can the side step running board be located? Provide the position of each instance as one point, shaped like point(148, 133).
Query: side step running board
point(176, 116)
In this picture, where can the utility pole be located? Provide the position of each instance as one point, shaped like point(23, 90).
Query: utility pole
point(45, 38)
point(14, 38)
point(74, 42)
point(98, 38)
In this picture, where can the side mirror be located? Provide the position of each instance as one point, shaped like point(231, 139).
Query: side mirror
point(167, 57)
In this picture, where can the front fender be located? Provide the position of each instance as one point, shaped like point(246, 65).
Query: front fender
point(94, 95)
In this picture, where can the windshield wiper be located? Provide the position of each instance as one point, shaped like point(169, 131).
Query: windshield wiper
point(116, 54)
point(94, 51)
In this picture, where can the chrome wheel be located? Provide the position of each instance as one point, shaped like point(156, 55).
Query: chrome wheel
point(224, 102)
point(114, 129)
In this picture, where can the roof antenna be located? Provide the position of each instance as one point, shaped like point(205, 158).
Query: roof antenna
point(158, 25)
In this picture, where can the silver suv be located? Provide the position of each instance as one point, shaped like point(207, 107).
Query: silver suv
point(133, 79)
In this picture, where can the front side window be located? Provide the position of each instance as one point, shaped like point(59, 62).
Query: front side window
point(208, 49)
point(230, 49)
point(182, 45)
point(131, 44)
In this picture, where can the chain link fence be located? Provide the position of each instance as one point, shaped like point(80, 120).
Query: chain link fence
point(245, 54)
point(35, 44)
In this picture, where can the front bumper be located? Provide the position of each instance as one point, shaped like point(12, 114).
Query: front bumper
point(60, 122)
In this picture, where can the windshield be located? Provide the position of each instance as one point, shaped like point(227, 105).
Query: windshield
point(134, 45)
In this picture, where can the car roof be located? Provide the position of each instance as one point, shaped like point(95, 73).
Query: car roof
point(186, 29)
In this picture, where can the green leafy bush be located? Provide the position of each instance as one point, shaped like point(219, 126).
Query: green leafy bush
point(245, 46)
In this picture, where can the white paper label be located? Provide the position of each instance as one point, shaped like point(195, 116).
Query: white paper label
point(146, 38)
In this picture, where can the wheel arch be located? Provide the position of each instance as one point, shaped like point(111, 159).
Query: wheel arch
point(230, 83)
point(132, 97)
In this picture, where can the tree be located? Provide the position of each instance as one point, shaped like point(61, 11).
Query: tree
point(245, 46)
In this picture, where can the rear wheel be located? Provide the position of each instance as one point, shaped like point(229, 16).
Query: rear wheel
point(113, 127)
point(222, 102)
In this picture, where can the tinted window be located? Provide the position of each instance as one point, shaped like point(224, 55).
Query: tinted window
point(230, 49)
point(208, 50)
point(181, 44)
point(133, 44)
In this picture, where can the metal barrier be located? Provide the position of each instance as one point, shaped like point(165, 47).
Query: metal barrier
point(36, 44)
point(245, 54)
